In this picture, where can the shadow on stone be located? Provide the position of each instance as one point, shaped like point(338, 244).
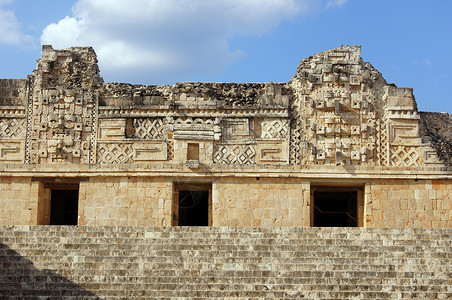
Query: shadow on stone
point(19, 278)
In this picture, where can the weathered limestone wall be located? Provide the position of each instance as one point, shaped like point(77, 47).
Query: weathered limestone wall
point(87, 262)
point(409, 203)
point(125, 201)
point(241, 201)
point(17, 205)
point(261, 202)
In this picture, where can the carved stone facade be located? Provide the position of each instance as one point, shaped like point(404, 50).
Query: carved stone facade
point(337, 110)
point(336, 121)
point(348, 114)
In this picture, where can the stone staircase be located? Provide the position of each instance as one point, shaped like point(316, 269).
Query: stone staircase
point(55, 262)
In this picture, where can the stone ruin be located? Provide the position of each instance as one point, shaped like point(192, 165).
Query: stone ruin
point(276, 173)
point(336, 127)
point(336, 110)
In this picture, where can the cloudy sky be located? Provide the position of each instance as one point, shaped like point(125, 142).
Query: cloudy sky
point(167, 41)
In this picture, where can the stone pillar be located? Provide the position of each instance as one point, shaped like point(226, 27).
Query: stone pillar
point(306, 203)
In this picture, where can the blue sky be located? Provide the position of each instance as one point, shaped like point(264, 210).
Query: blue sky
point(166, 41)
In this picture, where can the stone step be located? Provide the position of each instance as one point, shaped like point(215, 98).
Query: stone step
point(55, 262)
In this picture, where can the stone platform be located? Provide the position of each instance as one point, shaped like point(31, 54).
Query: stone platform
point(92, 262)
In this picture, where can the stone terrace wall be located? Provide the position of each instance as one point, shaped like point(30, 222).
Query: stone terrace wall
point(245, 263)
point(16, 207)
point(409, 203)
point(126, 201)
point(261, 202)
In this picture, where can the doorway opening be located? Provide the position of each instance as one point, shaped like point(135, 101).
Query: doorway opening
point(192, 204)
point(58, 201)
point(63, 206)
point(336, 206)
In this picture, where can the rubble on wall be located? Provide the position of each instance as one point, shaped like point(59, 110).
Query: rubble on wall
point(13, 92)
point(436, 128)
point(201, 93)
point(67, 68)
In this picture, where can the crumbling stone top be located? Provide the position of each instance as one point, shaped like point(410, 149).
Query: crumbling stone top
point(67, 68)
point(436, 128)
point(191, 94)
point(339, 63)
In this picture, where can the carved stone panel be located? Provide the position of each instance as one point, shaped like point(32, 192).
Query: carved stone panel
point(149, 151)
point(114, 153)
point(61, 124)
point(272, 152)
point(121, 152)
point(12, 151)
point(405, 156)
point(12, 128)
point(244, 154)
point(193, 128)
point(430, 157)
point(149, 128)
point(12, 137)
point(112, 128)
point(274, 129)
point(404, 133)
point(236, 129)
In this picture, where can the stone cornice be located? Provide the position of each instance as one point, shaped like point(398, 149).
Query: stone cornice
point(163, 111)
point(214, 170)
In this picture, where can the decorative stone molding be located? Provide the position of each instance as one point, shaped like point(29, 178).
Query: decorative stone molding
point(336, 110)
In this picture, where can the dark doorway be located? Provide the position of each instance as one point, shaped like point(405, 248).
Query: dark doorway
point(64, 207)
point(336, 209)
point(192, 204)
point(193, 208)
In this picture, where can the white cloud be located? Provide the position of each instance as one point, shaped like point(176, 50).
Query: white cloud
point(10, 32)
point(335, 3)
point(428, 62)
point(3, 2)
point(163, 40)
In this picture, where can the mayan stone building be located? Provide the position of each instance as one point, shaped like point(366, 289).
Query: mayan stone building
point(262, 166)
point(335, 146)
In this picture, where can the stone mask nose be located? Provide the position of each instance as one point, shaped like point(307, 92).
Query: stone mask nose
point(60, 122)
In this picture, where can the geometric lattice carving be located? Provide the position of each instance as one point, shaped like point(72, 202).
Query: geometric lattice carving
point(274, 129)
point(114, 153)
point(149, 128)
point(12, 128)
point(170, 150)
point(405, 156)
point(235, 154)
point(90, 146)
point(384, 138)
point(295, 142)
